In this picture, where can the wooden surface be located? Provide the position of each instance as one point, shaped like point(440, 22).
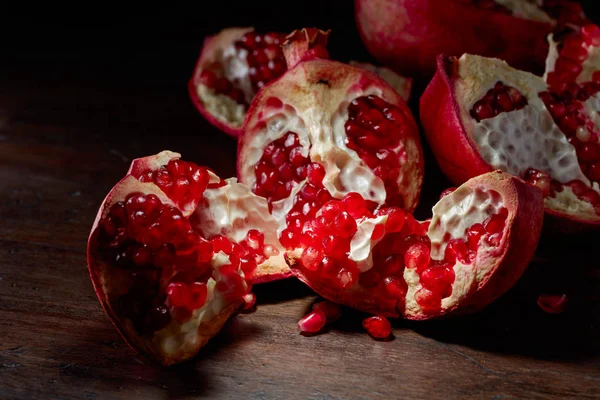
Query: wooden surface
point(67, 134)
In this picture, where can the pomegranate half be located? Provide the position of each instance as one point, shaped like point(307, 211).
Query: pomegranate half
point(477, 245)
point(408, 35)
point(237, 62)
point(325, 129)
point(172, 252)
point(479, 114)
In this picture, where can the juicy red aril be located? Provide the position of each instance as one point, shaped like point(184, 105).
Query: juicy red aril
point(198, 292)
point(395, 287)
point(417, 257)
point(264, 56)
point(277, 169)
point(438, 279)
point(552, 304)
point(249, 301)
point(430, 301)
point(456, 249)
point(375, 129)
point(474, 233)
point(499, 99)
point(313, 322)
point(180, 180)
point(178, 294)
point(378, 327)
point(355, 205)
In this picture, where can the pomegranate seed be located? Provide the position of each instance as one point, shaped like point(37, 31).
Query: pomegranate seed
point(345, 225)
point(395, 287)
point(553, 304)
point(347, 278)
point(430, 302)
point(589, 152)
point(208, 78)
point(439, 280)
point(312, 323)
point(249, 301)
point(500, 98)
point(178, 294)
point(378, 327)
point(331, 310)
point(474, 233)
point(311, 258)
point(417, 257)
point(197, 295)
point(456, 250)
point(378, 232)
point(494, 224)
point(369, 279)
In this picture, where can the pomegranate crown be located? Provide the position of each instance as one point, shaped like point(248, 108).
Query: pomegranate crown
point(305, 44)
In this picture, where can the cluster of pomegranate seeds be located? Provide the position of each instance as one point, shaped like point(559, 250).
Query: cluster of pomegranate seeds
point(568, 113)
point(499, 99)
point(550, 187)
point(180, 180)
point(264, 56)
point(144, 236)
point(490, 5)
point(281, 164)
point(307, 203)
point(221, 85)
point(573, 51)
point(378, 327)
point(375, 129)
point(553, 304)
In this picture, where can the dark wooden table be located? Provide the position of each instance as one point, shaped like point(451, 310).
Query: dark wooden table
point(68, 131)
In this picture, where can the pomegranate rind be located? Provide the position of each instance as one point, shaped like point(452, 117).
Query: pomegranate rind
point(493, 272)
point(211, 46)
point(408, 35)
point(327, 84)
point(457, 153)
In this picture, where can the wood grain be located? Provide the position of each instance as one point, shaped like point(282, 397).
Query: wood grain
point(65, 141)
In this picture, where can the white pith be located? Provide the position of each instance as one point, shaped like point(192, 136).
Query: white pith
point(526, 9)
point(324, 134)
point(232, 210)
point(518, 140)
point(222, 107)
point(401, 84)
point(232, 65)
point(361, 245)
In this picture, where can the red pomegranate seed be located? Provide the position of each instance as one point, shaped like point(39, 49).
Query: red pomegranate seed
point(429, 301)
point(456, 250)
point(378, 327)
point(197, 296)
point(553, 304)
point(347, 278)
point(355, 204)
point(438, 280)
point(345, 225)
point(311, 258)
point(591, 34)
point(249, 301)
point(417, 257)
point(178, 294)
point(395, 287)
point(312, 323)
point(494, 224)
point(331, 310)
point(500, 98)
point(474, 233)
point(208, 78)
point(378, 232)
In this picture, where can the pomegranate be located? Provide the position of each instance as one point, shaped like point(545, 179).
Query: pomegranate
point(479, 241)
point(408, 35)
point(479, 114)
point(378, 327)
point(172, 252)
point(325, 129)
point(237, 62)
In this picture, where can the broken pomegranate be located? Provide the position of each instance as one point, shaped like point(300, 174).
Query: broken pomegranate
point(237, 62)
point(325, 129)
point(408, 35)
point(172, 252)
point(479, 114)
point(480, 240)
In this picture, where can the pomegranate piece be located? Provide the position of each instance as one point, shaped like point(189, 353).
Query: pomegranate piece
point(480, 115)
point(170, 262)
point(552, 304)
point(318, 133)
point(378, 327)
point(480, 240)
point(408, 35)
point(237, 62)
